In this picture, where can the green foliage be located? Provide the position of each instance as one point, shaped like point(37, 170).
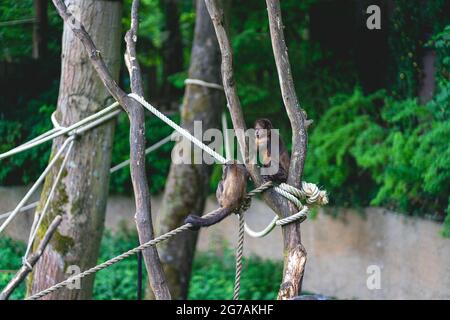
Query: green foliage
point(120, 280)
point(255, 70)
point(213, 277)
point(411, 25)
point(18, 42)
point(10, 260)
point(397, 152)
point(157, 162)
point(15, 129)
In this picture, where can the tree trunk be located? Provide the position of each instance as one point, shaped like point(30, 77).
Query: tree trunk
point(82, 193)
point(187, 185)
point(172, 50)
point(40, 29)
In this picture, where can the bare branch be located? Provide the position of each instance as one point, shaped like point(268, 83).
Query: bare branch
point(294, 112)
point(137, 152)
point(295, 253)
point(34, 258)
point(276, 202)
point(137, 138)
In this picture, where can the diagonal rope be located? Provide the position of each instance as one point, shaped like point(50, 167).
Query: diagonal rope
point(116, 259)
point(35, 186)
point(40, 216)
point(83, 125)
point(113, 169)
point(179, 129)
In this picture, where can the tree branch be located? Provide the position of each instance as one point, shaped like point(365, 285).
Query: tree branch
point(137, 141)
point(34, 258)
point(295, 113)
point(137, 152)
point(295, 253)
point(276, 202)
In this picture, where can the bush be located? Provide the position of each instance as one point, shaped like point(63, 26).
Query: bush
point(374, 150)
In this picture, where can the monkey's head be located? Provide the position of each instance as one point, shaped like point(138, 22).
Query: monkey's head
point(262, 128)
point(235, 167)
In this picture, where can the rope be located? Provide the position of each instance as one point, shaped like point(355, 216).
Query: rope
point(116, 168)
point(39, 217)
point(239, 255)
point(77, 128)
point(116, 259)
point(35, 186)
point(154, 242)
point(204, 84)
point(309, 191)
point(179, 129)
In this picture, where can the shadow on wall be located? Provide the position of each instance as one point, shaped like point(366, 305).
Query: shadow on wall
point(374, 255)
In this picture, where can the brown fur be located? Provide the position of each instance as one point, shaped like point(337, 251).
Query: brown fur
point(263, 137)
point(230, 195)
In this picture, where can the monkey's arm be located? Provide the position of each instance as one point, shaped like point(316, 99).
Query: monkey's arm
point(280, 176)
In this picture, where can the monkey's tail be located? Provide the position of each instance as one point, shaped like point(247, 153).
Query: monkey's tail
point(218, 215)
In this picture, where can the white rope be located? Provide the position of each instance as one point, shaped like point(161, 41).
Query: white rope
point(40, 216)
point(150, 149)
point(34, 187)
point(309, 191)
point(24, 208)
point(179, 129)
point(204, 84)
point(83, 125)
point(116, 168)
point(226, 138)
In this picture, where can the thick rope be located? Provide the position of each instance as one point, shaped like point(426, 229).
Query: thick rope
point(146, 245)
point(309, 191)
point(179, 129)
point(239, 255)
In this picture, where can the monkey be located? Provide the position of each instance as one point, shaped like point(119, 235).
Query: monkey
point(263, 142)
point(230, 194)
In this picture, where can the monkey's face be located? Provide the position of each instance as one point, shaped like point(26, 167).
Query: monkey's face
point(262, 130)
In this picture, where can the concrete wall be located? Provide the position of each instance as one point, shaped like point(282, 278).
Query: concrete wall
point(413, 259)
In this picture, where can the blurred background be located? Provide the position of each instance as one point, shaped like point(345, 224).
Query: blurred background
point(379, 143)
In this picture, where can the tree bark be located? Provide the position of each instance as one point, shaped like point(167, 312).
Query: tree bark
point(81, 195)
point(187, 185)
point(172, 50)
point(143, 214)
point(40, 29)
point(294, 252)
